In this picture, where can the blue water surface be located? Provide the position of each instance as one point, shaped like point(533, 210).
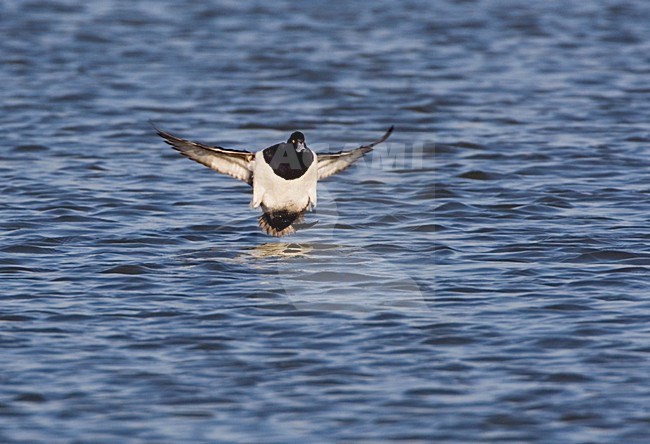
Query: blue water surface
point(482, 277)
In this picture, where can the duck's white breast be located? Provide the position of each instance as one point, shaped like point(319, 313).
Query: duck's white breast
point(273, 192)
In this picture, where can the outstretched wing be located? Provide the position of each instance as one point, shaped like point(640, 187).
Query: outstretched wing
point(238, 164)
point(332, 163)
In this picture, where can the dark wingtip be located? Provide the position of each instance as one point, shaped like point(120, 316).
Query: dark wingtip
point(386, 134)
point(167, 138)
point(160, 132)
point(165, 135)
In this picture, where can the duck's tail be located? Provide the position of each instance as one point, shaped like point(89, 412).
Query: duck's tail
point(279, 223)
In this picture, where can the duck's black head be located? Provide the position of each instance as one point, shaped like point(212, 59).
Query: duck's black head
point(297, 139)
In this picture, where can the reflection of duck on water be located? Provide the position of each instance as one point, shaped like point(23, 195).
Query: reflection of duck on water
point(280, 249)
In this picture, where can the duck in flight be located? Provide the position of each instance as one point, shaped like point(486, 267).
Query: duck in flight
point(283, 176)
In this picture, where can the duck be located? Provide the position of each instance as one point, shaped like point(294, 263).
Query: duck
point(283, 176)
